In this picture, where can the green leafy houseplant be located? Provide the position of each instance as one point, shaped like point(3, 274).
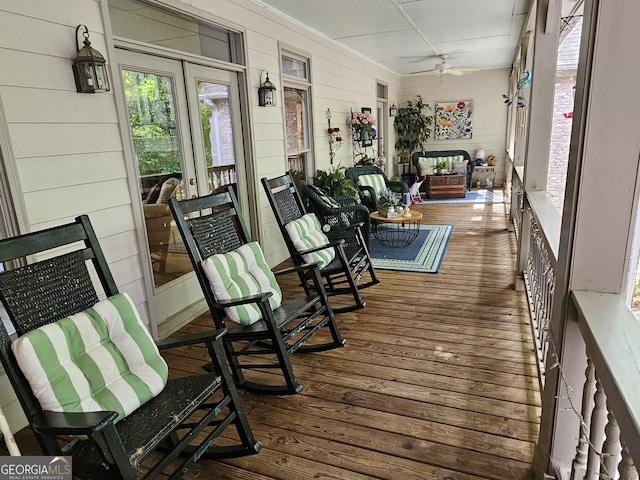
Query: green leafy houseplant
point(412, 126)
point(334, 182)
point(442, 166)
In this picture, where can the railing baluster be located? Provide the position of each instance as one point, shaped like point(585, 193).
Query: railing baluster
point(579, 464)
point(596, 432)
point(541, 281)
point(626, 468)
point(610, 448)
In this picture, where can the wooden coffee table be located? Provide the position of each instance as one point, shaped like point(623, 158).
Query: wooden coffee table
point(397, 231)
point(446, 186)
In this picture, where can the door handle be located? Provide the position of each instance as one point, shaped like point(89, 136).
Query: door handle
point(192, 181)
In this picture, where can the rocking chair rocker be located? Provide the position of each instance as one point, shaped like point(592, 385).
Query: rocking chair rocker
point(238, 285)
point(348, 260)
point(90, 378)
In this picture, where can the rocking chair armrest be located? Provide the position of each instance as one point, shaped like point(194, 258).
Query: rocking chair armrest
point(297, 268)
point(73, 423)
point(334, 244)
point(354, 226)
point(192, 339)
point(258, 297)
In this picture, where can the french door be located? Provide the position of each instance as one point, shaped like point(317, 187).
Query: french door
point(187, 142)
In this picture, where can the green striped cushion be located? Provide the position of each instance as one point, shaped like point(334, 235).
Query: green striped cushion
point(426, 166)
point(305, 233)
point(241, 273)
point(100, 359)
point(374, 180)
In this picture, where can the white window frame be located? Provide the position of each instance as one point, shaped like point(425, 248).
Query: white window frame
point(302, 84)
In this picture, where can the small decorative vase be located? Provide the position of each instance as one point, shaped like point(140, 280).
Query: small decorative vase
point(364, 135)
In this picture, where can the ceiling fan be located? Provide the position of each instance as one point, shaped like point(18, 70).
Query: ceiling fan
point(444, 67)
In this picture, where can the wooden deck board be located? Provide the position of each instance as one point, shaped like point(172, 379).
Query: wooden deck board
point(437, 381)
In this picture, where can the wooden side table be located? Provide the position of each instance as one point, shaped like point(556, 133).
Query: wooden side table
point(483, 174)
point(446, 186)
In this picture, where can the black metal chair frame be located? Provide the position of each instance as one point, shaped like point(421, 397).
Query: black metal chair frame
point(211, 225)
point(348, 212)
point(367, 194)
point(201, 405)
point(352, 261)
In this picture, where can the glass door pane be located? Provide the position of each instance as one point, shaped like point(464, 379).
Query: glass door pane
point(151, 106)
point(217, 135)
point(214, 108)
point(187, 141)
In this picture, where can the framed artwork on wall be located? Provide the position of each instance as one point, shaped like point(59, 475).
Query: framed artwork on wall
point(453, 120)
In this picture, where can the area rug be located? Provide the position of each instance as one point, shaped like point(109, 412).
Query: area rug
point(473, 196)
point(424, 255)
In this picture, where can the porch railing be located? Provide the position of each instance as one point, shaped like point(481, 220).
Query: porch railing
point(540, 283)
point(608, 445)
point(596, 402)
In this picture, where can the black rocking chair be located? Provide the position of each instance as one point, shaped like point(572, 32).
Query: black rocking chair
point(210, 226)
point(345, 273)
point(167, 433)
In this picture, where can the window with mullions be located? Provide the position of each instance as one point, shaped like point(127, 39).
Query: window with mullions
point(298, 127)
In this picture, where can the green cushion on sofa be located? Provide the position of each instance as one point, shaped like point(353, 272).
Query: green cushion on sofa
point(305, 233)
point(427, 165)
point(241, 273)
point(100, 359)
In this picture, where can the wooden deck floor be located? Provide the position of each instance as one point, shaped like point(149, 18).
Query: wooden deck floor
point(437, 381)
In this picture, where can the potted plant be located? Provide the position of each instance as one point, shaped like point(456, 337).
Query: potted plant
point(413, 127)
point(442, 167)
point(335, 183)
point(387, 202)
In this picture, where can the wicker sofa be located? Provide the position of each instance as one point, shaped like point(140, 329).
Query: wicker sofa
point(459, 161)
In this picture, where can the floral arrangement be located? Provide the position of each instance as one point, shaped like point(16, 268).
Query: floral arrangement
point(386, 199)
point(491, 160)
point(362, 122)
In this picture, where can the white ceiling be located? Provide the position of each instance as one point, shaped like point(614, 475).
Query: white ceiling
point(406, 36)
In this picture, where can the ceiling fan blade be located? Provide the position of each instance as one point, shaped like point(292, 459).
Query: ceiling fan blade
point(462, 71)
point(424, 71)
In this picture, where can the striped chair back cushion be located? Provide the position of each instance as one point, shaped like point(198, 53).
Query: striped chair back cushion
point(374, 180)
point(240, 273)
point(100, 359)
point(305, 233)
